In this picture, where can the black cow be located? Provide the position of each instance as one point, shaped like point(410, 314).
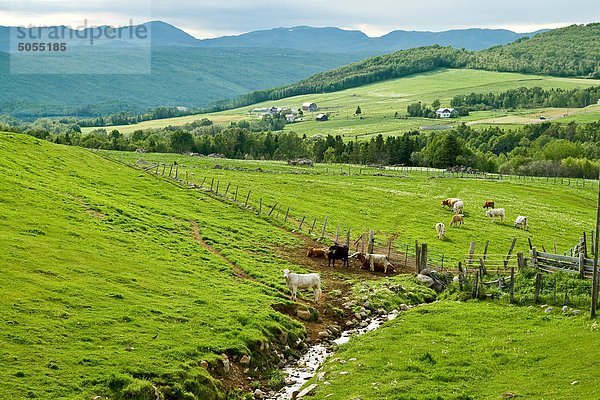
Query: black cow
point(338, 252)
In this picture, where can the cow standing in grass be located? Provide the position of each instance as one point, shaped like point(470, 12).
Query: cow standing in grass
point(302, 281)
point(338, 252)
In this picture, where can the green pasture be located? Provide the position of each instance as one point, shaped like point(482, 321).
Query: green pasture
point(105, 290)
point(399, 205)
point(380, 101)
point(465, 351)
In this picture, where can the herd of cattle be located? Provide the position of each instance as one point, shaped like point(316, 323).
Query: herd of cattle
point(457, 205)
point(380, 262)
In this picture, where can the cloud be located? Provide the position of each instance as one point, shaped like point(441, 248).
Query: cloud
point(208, 18)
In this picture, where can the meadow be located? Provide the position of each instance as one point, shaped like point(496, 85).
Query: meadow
point(114, 280)
point(381, 101)
point(472, 350)
point(402, 206)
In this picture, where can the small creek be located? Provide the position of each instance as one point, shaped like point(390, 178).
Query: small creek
point(303, 369)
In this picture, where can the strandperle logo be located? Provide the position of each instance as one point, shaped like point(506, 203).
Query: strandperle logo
point(82, 49)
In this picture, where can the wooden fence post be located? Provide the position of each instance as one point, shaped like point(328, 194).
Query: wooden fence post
point(555, 249)
point(337, 234)
point(176, 171)
point(260, 205)
point(272, 208)
point(246, 202)
point(471, 252)
point(217, 191)
point(510, 250)
point(235, 195)
point(461, 276)
point(512, 284)
point(301, 223)
point(170, 170)
point(186, 177)
point(582, 265)
point(313, 226)
point(538, 285)
point(227, 189)
point(417, 256)
point(520, 260)
point(324, 228)
point(595, 277)
point(485, 249)
point(482, 269)
point(534, 259)
point(423, 257)
point(475, 292)
point(371, 241)
point(212, 182)
point(278, 212)
point(348, 238)
point(287, 213)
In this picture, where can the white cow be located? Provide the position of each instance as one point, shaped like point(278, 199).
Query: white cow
point(496, 212)
point(302, 281)
point(521, 222)
point(458, 207)
point(440, 228)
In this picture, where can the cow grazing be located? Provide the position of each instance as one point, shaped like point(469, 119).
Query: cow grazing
point(440, 228)
point(488, 204)
point(457, 219)
point(496, 212)
point(338, 252)
point(458, 207)
point(302, 281)
point(521, 222)
point(449, 202)
point(317, 252)
point(374, 262)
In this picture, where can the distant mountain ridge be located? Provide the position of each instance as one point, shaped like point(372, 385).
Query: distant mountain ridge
point(306, 38)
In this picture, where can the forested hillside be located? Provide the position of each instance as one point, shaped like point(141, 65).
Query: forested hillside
point(570, 51)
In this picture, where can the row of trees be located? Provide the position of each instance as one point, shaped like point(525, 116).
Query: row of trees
point(528, 98)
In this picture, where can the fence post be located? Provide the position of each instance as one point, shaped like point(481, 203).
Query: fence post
point(176, 171)
point(324, 228)
point(423, 257)
point(259, 205)
point(371, 241)
point(227, 189)
point(202, 184)
point(471, 252)
point(406, 257)
point(170, 170)
point(247, 197)
point(534, 259)
point(217, 191)
point(272, 208)
point(337, 234)
point(186, 177)
point(512, 283)
point(417, 256)
point(485, 249)
point(212, 182)
point(235, 195)
point(301, 223)
point(348, 238)
point(538, 284)
point(520, 260)
point(482, 269)
point(475, 292)
point(555, 248)
point(582, 264)
point(510, 250)
point(461, 276)
point(278, 211)
point(312, 227)
point(287, 212)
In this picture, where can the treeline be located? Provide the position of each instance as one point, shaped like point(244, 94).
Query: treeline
point(127, 118)
point(528, 98)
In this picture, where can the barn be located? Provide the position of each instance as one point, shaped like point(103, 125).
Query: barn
point(311, 107)
point(322, 117)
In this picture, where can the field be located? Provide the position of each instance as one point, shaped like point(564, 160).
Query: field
point(112, 277)
point(380, 101)
point(118, 283)
point(468, 351)
point(403, 207)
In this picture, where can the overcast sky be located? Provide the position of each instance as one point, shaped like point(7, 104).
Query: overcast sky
point(208, 18)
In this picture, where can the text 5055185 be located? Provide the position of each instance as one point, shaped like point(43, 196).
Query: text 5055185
point(39, 47)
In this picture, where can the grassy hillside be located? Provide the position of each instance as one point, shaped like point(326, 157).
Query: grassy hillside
point(468, 351)
point(379, 103)
point(408, 207)
point(114, 281)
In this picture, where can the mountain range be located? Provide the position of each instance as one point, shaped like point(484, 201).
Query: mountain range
point(303, 38)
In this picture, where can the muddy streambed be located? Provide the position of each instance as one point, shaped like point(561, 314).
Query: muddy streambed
point(303, 369)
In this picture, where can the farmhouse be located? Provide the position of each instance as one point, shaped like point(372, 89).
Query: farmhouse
point(290, 118)
point(312, 107)
point(322, 117)
point(445, 112)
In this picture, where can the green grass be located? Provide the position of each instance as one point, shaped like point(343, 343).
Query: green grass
point(380, 101)
point(97, 259)
point(407, 207)
point(468, 351)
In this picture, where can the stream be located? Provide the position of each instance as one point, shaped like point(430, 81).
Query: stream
point(306, 366)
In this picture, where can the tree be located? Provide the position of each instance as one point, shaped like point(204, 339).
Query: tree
point(182, 142)
point(358, 111)
point(436, 104)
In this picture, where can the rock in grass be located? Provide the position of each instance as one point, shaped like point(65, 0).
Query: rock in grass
point(548, 309)
point(306, 391)
point(259, 394)
point(245, 360)
point(303, 314)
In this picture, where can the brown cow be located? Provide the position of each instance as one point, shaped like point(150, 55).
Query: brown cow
point(488, 204)
point(317, 253)
point(450, 202)
point(374, 262)
point(458, 219)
